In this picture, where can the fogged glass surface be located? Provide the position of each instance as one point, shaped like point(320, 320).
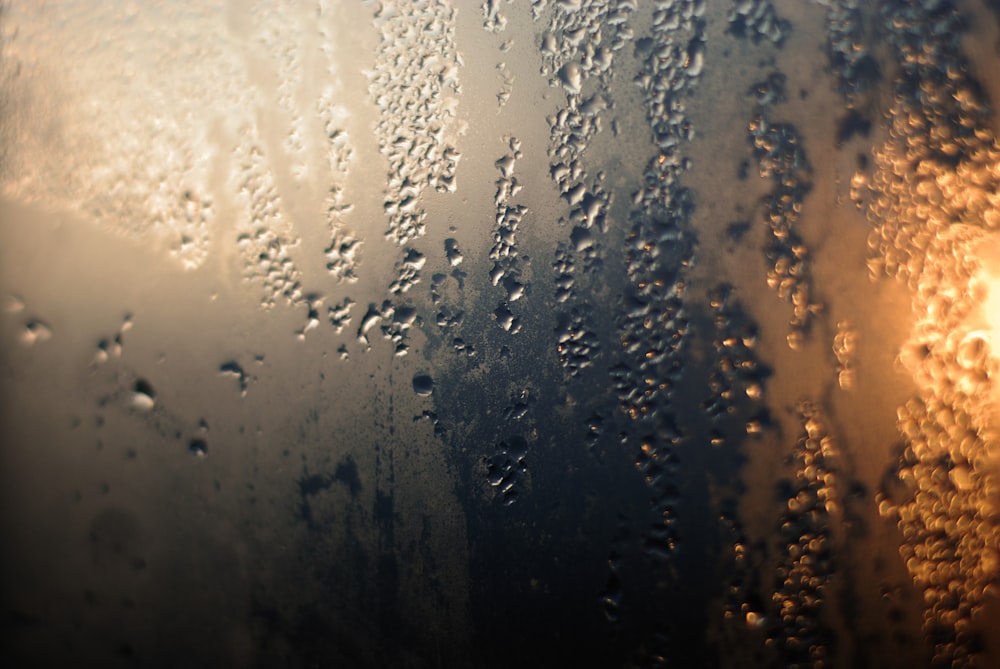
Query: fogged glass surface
point(562, 333)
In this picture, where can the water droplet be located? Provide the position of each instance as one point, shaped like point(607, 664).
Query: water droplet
point(507, 320)
point(451, 251)
point(571, 77)
point(423, 385)
point(234, 370)
point(582, 238)
point(143, 395)
point(35, 331)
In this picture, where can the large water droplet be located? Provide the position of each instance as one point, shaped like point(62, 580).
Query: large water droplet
point(423, 385)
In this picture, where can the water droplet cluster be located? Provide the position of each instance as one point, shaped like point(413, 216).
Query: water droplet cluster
point(340, 314)
point(848, 49)
point(845, 344)
point(942, 495)
point(787, 619)
point(506, 271)
point(493, 19)
point(449, 319)
point(128, 157)
point(396, 322)
point(330, 118)
point(265, 236)
point(658, 253)
point(576, 343)
point(276, 32)
point(805, 577)
point(506, 469)
point(414, 86)
point(757, 20)
point(781, 158)
point(736, 381)
point(744, 612)
point(578, 51)
point(111, 347)
point(932, 201)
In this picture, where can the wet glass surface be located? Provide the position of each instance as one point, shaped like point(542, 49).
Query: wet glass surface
point(546, 333)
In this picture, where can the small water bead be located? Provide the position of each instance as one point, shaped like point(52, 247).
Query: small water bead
point(198, 448)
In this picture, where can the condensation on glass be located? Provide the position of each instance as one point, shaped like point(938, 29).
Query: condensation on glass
point(538, 333)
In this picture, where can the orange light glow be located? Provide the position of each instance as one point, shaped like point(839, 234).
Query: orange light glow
point(986, 288)
point(991, 308)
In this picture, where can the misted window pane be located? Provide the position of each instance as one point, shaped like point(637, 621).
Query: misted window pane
point(505, 333)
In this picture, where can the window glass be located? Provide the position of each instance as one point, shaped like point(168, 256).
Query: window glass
point(433, 333)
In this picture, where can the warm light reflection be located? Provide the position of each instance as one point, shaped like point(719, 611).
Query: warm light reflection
point(947, 472)
point(979, 350)
point(989, 280)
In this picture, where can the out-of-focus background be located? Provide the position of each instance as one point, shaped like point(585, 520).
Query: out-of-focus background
point(475, 334)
